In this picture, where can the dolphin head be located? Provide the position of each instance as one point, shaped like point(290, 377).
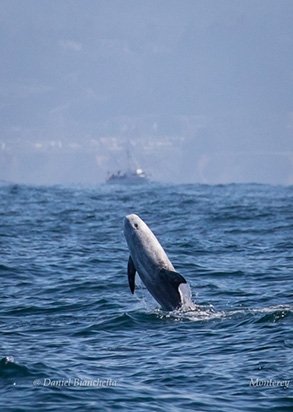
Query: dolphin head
point(133, 226)
point(131, 221)
point(137, 233)
point(142, 242)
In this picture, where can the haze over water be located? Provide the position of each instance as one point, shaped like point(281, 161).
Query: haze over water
point(198, 91)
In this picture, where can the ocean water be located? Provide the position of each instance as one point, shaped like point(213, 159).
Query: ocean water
point(74, 338)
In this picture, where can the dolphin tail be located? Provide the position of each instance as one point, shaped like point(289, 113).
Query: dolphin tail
point(171, 281)
point(131, 274)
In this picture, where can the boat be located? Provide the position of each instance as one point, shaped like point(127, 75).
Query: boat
point(129, 177)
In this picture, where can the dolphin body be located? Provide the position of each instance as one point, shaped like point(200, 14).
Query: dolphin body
point(148, 258)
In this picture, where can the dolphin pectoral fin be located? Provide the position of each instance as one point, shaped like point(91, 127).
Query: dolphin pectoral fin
point(131, 274)
point(172, 278)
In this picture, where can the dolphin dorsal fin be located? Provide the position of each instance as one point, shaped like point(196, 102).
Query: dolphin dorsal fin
point(172, 277)
point(131, 274)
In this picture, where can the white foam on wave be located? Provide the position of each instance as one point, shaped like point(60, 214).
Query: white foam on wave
point(196, 312)
point(203, 312)
point(272, 309)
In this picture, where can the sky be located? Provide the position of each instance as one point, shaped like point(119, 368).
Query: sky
point(197, 91)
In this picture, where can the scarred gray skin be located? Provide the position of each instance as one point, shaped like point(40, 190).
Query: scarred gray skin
point(150, 260)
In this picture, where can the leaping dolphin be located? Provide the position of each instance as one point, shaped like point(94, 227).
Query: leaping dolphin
point(148, 258)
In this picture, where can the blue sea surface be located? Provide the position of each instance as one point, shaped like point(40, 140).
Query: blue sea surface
point(74, 338)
